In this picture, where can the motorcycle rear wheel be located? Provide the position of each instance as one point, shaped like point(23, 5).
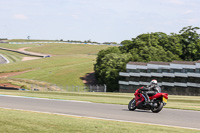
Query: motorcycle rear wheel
point(158, 108)
point(132, 105)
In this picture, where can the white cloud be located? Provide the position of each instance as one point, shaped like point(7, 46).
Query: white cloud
point(188, 12)
point(177, 2)
point(75, 16)
point(20, 16)
point(193, 21)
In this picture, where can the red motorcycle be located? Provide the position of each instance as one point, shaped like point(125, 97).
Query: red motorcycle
point(157, 101)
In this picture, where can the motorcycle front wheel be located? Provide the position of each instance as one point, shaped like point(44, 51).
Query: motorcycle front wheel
point(158, 107)
point(132, 105)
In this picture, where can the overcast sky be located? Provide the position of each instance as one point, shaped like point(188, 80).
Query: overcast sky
point(98, 20)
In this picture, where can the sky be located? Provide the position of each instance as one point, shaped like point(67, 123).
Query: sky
point(95, 20)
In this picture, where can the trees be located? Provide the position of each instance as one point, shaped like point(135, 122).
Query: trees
point(190, 41)
point(150, 47)
point(109, 68)
point(156, 46)
point(101, 64)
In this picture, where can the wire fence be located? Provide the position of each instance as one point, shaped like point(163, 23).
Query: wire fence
point(34, 85)
point(87, 88)
point(70, 88)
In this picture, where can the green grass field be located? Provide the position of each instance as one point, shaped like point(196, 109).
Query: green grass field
point(58, 48)
point(60, 70)
point(30, 122)
point(17, 46)
point(67, 66)
point(68, 49)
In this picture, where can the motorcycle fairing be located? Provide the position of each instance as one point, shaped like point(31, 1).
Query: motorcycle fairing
point(165, 95)
point(139, 99)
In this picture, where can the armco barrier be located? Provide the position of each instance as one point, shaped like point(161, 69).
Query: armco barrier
point(26, 53)
point(65, 42)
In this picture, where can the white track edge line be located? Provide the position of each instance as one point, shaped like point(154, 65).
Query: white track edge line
point(99, 118)
point(44, 98)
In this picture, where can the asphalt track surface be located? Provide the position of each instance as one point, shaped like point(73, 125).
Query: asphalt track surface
point(167, 117)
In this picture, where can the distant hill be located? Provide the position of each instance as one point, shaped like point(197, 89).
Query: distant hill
point(69, 63)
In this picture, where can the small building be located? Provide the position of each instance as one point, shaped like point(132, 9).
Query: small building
point(176, 77)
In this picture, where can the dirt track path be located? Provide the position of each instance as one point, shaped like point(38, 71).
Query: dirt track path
point(23, 49)
point(5, 75)
point(28, 58)
point(34, 53)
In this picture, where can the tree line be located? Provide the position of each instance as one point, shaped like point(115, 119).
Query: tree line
point(157, 46)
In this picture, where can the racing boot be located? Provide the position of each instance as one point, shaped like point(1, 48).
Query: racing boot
point(148, 102)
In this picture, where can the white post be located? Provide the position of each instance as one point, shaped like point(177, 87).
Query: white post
point(104, 87)
point(97, 88)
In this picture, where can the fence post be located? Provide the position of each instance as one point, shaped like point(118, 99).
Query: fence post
point(90, 88)
point(104, 87)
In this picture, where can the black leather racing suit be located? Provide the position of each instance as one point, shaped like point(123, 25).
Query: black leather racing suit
point(150, 91)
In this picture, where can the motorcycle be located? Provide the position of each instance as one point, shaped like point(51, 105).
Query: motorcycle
point(157, 101)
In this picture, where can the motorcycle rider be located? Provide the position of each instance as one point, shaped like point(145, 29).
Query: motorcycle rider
point(152, 89)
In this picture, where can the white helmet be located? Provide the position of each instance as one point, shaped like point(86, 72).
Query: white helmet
point(153, 82)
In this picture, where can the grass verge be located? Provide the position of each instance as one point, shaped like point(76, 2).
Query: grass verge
point(17, 46)
point(23, 121)
point(174, 102)
point(60, 70)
